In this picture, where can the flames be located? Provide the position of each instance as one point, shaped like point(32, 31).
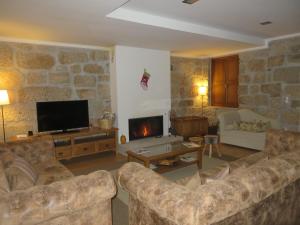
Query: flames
point(146, 131)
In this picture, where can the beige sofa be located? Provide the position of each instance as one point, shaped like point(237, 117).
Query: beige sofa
point(263, 188)
point(57, 197)
point(234, 136)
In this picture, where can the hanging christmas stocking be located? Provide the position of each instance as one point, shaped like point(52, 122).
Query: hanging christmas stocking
point(144, 81)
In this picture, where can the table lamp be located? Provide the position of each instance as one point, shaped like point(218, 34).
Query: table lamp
point(202, 91)
point(4, 100)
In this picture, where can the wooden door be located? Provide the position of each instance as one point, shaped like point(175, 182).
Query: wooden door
point(218, 94)
point(225, 72)
point(232, 71)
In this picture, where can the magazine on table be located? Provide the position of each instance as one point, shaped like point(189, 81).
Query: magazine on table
point(190, 145)
point(187, 158)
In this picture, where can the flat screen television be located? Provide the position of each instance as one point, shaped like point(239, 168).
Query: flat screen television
point(62, 115)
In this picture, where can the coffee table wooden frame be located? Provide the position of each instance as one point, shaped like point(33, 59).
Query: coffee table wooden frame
point(132, 156)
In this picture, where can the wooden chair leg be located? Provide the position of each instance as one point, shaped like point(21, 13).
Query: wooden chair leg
point(210, 150)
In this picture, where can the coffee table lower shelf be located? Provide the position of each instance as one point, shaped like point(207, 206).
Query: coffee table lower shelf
point(134, 157)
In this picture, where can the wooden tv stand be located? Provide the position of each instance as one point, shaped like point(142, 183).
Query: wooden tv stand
point(75, 144)
point(85, 142)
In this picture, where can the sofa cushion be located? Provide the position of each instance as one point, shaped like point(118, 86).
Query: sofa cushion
point(51, 171)
point(4, 186)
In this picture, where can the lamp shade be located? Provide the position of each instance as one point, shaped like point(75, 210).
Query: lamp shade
point(202, 90)
point(4, 100)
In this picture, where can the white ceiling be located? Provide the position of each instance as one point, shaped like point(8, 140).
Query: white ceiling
point(206, 28)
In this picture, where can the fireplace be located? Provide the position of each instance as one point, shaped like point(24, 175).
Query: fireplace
point(145, 127)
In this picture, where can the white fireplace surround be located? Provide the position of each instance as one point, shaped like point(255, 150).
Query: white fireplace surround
point(129, 99)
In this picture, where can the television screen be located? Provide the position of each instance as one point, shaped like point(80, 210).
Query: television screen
point(62, 115)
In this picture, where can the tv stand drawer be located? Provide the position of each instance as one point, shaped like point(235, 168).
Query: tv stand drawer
point(106, 145)
point(63, 152)
point(83, 149)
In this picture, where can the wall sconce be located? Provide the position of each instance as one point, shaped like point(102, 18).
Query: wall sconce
point(202, 90)
point(4, 100)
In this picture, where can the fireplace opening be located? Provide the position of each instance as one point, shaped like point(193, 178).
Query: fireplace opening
point(145, 127)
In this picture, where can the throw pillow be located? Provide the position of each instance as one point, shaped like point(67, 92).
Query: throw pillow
point(24, 166)
point(255, 126)
point(20, 174)
point(17, 179)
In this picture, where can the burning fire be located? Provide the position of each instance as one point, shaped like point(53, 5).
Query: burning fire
point(145, 131)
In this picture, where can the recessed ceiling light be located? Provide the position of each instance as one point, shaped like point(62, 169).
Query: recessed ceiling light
point(265, 23)
point(189, 1)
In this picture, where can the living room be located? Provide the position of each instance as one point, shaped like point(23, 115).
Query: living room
point(134, 59)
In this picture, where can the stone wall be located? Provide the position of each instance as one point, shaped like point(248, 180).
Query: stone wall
point(33, 73)
point(186, 76)
point(267, 75)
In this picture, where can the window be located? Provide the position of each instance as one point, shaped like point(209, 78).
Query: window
point(224, 81)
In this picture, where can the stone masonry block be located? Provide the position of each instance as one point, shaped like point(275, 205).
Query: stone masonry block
point(103, 91)
point(99, 55)
point(293, 90)
point(36, 94)
point(246, 100)
point(36, 78)
point(6, 55)
point(254, 89)
point(294, 58)
point(93, 68)
point(243, 90)
point(19, 112)
point(59, 78)
point(76, 68)
point(86, 93)
point(34, 60)
point(275, 61)
point(10, 79)
point(186, 103)
point(273, 90)
point(85, 81)
point(287, 74)
point(244, 79)
point(70, 57)
point(259, 77)
point(261, 100)
point(256, 65)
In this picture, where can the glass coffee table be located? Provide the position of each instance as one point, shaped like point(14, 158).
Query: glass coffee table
point(156, 153)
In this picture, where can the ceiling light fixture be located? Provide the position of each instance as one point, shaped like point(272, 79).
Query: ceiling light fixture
point(265, 23)
point(189, 1)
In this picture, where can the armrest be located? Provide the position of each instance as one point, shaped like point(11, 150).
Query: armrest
point(166, 198)
point(41, 203)
point(227, 118)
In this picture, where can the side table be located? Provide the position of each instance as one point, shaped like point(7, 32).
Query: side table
point(211, 141)
point(189, 126)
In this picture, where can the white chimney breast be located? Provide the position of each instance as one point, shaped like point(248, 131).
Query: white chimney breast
point(129, 99)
